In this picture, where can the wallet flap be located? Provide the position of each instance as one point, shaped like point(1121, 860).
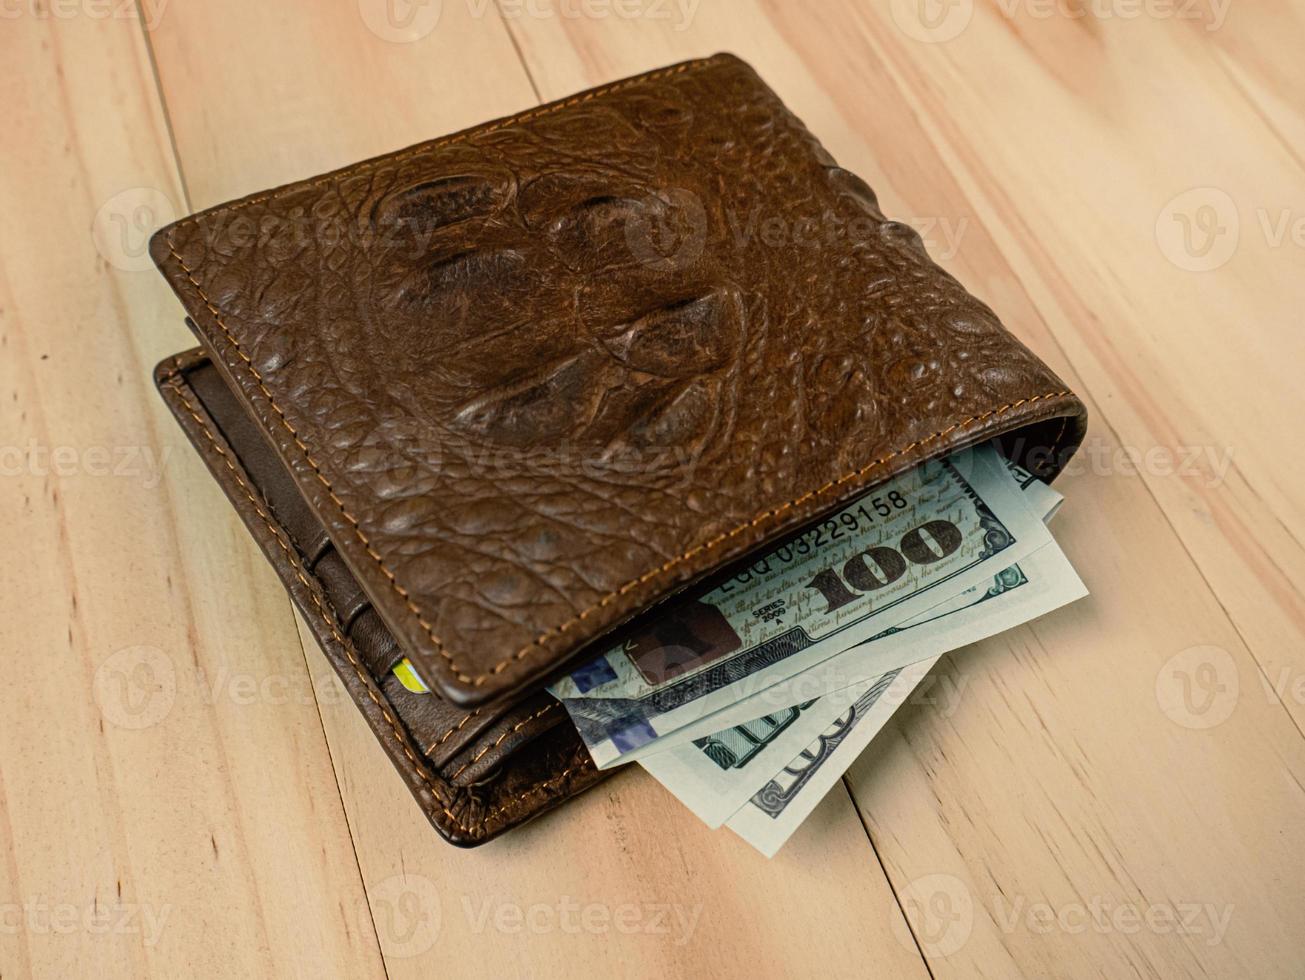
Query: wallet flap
point(539, 374)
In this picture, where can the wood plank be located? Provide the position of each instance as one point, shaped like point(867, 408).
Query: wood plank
point(1191, 364)
point(330, 87)
point(160, 811)
point(622, 880)
point(1058, 777)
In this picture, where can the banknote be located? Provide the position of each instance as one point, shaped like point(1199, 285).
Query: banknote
point(771, 814)
point(999, 604)
point(1040, 496)
point(889, 555)
point(849, 667)
point(777, 809)
point(715, 775)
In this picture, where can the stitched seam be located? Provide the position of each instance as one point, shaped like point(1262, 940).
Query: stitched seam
point(175, 383)
point(456, 728)
point(538, 642)
point(499, 741)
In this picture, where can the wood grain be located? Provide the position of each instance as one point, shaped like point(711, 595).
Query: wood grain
point(166, 803)
point(1113, 790)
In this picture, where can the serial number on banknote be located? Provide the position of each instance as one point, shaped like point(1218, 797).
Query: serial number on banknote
point(813, 539)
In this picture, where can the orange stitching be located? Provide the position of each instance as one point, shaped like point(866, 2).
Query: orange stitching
point(444, 738)
point(174, 382)
point(537, 642)
point(511, 731)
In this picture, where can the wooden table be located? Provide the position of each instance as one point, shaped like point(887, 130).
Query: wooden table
point(1115, 790)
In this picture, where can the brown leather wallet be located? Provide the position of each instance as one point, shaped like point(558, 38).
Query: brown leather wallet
point(484, 400)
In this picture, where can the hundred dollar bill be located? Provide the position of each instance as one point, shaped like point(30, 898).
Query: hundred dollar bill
point(888, 555)
point(715, 775)
point(851, 666)
point(776, 810)
point(1034, 587)
point(787, 798)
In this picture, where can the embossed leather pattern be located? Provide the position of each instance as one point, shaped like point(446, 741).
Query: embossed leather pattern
point(526, 380)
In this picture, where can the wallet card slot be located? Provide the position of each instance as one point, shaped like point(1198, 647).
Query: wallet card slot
point(346, 594)
point(453, 738)
point(260, 461)
point(376, 643)
point(500, 741)
point(439, 729)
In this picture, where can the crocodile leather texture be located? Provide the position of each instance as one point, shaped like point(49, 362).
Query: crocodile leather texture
point(484, 399)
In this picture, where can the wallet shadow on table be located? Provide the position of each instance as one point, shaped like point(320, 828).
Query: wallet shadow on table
point(486, 400)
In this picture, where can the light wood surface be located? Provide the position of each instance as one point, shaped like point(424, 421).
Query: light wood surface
point(1114, 790)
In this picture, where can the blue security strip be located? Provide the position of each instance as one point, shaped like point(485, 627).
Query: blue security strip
point(630, 732)
point(593, 674)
